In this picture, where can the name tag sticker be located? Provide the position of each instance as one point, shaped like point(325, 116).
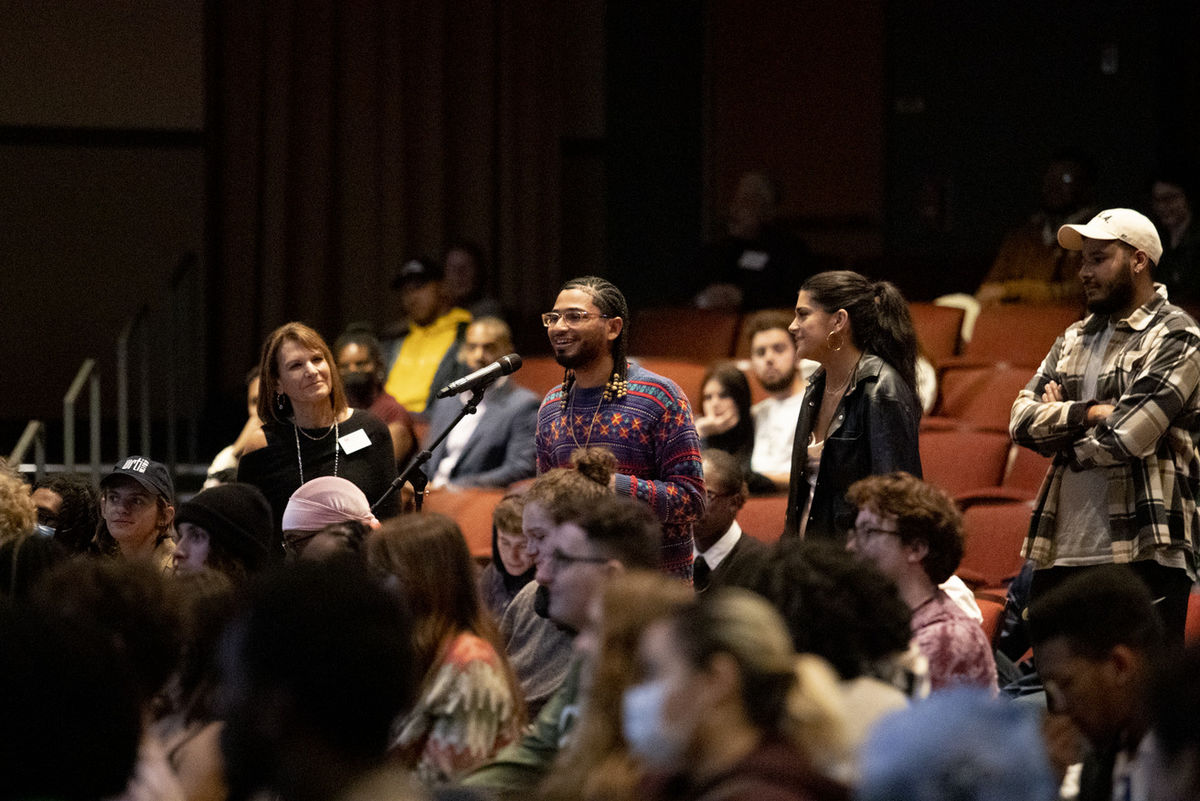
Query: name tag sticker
point(354, 441)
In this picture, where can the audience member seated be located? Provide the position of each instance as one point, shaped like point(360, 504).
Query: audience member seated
point(844, 610)
point(68, 509)
point(308, 429)
point(360, 363)
point(724, 556)
point(962, 745)
point(1031, 266)
point(747, 269)
point(322, 502)
point(725, 708)
point(465, 268)
point(597, 765)
point(539, 650)
point(128, 600)
point(912, 532)
point(470, 704)
point(1171, 194)
point(70, 715)
point(188, 727)
point(226, 528)
point(347, 539)
point(137, 504)
point(773, 362)
point(726, 422)
point(24, 558)
point(1096, 642)
point(423, 358)
point(511, 567)
point(224, 465)
point(18, 515)
point(1173, 766)
point(314, 673)
point(596, 540)
point(495, 446)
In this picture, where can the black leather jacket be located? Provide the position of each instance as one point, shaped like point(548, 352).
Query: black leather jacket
point(874, 431)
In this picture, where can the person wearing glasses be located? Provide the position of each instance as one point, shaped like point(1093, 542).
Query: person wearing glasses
point(318, 504)
point(578, 556)
point(912, 532)
point(642, 418)
point(724, 555)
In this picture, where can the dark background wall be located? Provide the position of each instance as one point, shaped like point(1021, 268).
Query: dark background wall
point(298, 150)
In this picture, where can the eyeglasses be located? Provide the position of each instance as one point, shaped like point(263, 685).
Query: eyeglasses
point(294, 541)
point(866, 533)
point(572, 317)
point(562, 559)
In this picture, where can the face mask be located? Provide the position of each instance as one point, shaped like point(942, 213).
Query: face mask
point(44, 530)
point(642, 724)
point(360, 387)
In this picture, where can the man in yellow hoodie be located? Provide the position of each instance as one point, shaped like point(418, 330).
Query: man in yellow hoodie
point(428, 349)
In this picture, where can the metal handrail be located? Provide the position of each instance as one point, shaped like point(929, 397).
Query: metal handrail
point(87, 373)
point(35, 435)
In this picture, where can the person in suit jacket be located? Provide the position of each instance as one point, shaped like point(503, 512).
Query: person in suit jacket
point(495, 446)
point(724, 556)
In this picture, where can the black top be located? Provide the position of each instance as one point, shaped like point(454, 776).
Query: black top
point(275, 469)
point(876, 433)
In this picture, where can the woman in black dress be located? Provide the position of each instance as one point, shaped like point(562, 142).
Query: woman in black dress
point(309, 431)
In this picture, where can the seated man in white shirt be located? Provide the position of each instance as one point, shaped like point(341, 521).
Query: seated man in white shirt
point(773, 362)
point(495, 446)
point(723, 555)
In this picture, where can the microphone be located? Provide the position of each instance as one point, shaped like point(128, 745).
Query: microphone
point(482, 377)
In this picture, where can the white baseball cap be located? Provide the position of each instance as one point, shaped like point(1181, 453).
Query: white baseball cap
point(1131, 227)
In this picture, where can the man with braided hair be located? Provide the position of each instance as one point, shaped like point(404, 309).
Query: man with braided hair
point(643, 418)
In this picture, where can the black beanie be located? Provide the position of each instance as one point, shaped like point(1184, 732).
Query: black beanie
point(237, 516)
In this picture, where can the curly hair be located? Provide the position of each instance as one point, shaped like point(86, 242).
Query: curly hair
point(80, 512)
point(836, 606)
point(923, 513)
point(18, 515)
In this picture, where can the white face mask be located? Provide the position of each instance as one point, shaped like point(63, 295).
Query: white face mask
point(642, 724)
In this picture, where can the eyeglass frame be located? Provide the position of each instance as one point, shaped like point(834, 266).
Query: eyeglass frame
point(870, 532)
point(561, 558)
point(583, 315)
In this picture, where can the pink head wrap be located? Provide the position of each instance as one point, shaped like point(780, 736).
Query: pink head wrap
point(326, 500)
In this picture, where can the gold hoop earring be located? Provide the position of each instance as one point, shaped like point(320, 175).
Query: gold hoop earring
point(829, 337)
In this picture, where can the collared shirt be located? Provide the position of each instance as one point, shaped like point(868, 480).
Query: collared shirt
point(721, 548)
point(1147, 448)
point(457, 439)
point(774, 431)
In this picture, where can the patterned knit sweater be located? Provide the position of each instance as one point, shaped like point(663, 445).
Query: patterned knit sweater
point(651, 433)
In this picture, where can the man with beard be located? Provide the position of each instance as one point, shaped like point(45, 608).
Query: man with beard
point(773, 361)
point(642, 418)
point(1116, 404)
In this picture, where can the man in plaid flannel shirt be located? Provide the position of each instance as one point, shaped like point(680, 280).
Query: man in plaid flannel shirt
point(1116, 404)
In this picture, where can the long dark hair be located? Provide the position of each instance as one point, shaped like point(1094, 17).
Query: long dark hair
point(879, 319)
point(738, 440)
point(429, 556)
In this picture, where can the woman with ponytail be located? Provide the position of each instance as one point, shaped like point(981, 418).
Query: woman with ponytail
point(860, 411)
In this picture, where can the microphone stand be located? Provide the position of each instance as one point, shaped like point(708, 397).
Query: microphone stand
point(413, 474)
